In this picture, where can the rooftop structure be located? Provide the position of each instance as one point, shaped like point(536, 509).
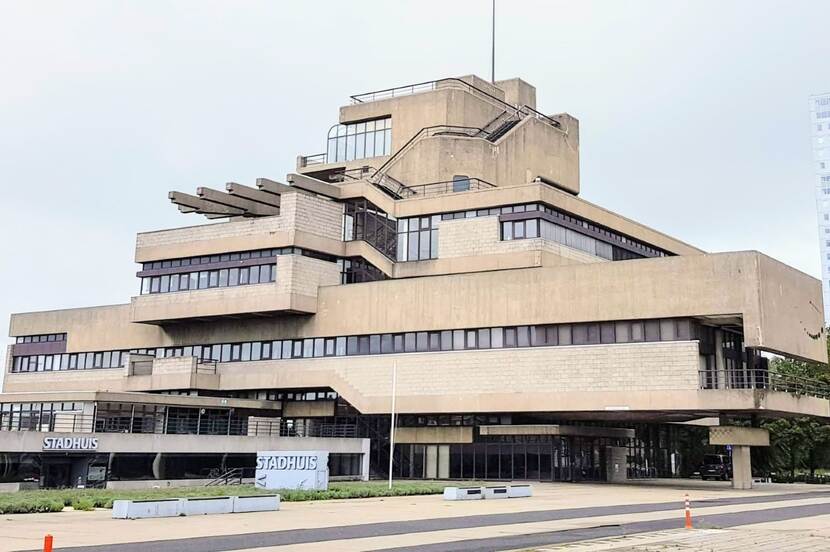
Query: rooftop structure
point(441, 235)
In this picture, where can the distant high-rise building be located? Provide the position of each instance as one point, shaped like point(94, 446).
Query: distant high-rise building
point(820, 119)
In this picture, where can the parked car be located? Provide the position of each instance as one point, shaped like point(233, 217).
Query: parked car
point(716, 466)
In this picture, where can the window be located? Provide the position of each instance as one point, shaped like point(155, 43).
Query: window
point(460, 183)
point(418, 238)
point(359, 140)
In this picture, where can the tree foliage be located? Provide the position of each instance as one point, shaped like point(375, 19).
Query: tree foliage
point(799, 443)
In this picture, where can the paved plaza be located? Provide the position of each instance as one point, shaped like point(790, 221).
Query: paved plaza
point(559, 516)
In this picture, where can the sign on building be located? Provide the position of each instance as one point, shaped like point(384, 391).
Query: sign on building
point(281, 469)
point(70, 443)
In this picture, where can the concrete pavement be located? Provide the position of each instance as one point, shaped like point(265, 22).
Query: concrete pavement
point(415, 522)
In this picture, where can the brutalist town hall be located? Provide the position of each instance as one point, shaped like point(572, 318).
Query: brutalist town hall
point(438, 247)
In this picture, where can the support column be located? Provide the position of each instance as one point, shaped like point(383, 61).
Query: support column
point(740, 439)
point(158, 466)
point(741, 467)
point(365, 458)
point(616, 470)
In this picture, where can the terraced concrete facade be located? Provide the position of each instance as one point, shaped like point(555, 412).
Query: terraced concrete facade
point(459, 268)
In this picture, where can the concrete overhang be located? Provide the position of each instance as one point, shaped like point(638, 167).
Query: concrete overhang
point(556, 429)
point(238, 302)
point(139, 398)
point(32, 442)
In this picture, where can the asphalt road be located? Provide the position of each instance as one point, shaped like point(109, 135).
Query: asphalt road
point(330, 534)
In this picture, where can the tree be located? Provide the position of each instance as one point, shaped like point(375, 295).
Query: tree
point(799, 442)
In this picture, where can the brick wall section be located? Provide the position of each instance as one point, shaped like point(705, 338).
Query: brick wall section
point(174, 365)
point(619, 367)
point(245, 227)
point(312, 214)
point(298, 211)
point(303, 275)
point(481, 236)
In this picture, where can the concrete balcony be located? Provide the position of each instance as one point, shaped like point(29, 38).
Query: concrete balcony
point(294, 291)
point(146, 373)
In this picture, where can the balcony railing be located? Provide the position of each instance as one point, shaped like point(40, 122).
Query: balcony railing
point(763, 379)
point(394, 92)
point(175, 425)
point(447, 187)
point(309, 160)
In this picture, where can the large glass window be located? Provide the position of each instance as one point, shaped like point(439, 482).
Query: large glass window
point(633, 331)
point(418, 238)
point(359, 140)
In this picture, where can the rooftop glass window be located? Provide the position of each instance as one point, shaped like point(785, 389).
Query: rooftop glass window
point(359, 140)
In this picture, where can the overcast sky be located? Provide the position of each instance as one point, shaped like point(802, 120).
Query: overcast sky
point(694, 116)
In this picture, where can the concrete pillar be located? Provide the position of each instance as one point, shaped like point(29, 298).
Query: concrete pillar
point(720, 362)
point(616, 464)
point(158, 466)
point(741, 467)
point(364, 460)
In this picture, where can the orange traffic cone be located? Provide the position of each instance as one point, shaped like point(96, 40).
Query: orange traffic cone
point(688, 513)
point(47, 543)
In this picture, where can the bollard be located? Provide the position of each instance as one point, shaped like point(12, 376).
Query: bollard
point(688, 513)
point(47, 543)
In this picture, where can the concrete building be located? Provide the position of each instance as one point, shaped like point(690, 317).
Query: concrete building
point(439, 241)
point(820, 120)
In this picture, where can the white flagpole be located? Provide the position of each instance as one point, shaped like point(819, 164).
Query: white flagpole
point(493, 51)
point(392, 425)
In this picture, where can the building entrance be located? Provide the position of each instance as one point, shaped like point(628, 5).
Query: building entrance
point(64, 471)
point(551, 459)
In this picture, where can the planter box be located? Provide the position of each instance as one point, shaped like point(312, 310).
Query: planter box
point(463, 493)
point(258, 503)
point(496, 492)
point(519, 491)
point(207, 505)
point(138, 509)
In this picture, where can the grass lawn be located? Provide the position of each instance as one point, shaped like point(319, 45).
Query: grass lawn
point(54, 500)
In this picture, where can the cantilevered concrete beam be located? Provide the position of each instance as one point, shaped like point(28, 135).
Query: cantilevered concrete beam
point(273, 187)
point(266, 198)
point(192, 204)
point(250, 208)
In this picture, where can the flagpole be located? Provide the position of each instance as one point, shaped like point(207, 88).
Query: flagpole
point(493, 51)
point(392, 424)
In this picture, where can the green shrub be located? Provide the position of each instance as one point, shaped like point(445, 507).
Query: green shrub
point(51, 500)
point(83, 503)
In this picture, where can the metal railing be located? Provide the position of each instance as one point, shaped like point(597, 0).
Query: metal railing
point(754, 378)
point(234, 476)
point(309, 160)
point(175, 425)
point(448, 187)
point(396, 92)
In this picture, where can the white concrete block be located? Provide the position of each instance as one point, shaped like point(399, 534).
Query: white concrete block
point(207, 505)
point(257, 503)
point(463, 493)
point(499, 491)
point(519, 491)
point(139, 509)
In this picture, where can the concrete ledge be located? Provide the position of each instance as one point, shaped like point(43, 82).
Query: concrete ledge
point(734, 435)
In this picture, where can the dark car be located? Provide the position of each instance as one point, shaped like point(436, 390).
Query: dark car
point(716, 466)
